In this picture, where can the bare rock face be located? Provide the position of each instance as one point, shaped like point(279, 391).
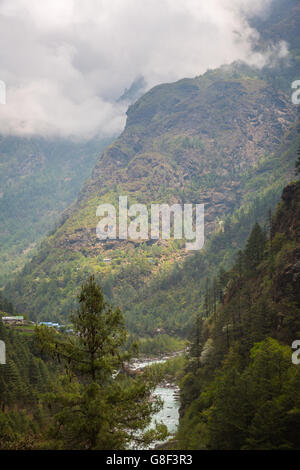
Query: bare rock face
point(189, 142)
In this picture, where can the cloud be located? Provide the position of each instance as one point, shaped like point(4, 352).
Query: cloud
point(65, 63)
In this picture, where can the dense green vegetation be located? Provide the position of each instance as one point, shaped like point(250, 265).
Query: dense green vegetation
point(159, 344)
point(240, 390)
point(22, 379)
point(172, 369)
point(5, 305)
point(39, 178)
point(180, 288)
point(94, 403)
point(81, 397)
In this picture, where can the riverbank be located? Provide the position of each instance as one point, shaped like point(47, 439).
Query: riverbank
point(146, 360)
point(167, 390)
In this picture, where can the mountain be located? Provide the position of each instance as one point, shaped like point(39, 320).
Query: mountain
point(280, 22)
point(227, 139)
point(240, 382)
point(135, 91)
point(176, 294)
point(199, 140)
point(39, 178)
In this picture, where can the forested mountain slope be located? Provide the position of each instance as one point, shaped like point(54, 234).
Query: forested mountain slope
point(22, 380)
point(178, 292)
point(39, 178)
point(240, 388)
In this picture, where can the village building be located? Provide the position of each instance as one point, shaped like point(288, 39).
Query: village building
point(13, 320)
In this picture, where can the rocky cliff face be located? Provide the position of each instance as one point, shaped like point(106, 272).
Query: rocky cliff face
point(187, 142)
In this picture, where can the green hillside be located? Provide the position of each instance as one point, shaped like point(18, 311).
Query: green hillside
point(23, 378)
point(177, 292)
point(239, 391)
point(39, 178)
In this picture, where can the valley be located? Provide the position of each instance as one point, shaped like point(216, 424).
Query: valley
point(114, 341)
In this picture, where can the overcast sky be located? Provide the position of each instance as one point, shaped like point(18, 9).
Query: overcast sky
point(65, 62)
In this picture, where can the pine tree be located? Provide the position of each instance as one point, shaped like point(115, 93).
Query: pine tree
point(207, 298)
point(13, 383)
point(34, 371)
point(215, 296)
point(254, 251)
point(223, 278)
point(94, 404)
point(196, 344)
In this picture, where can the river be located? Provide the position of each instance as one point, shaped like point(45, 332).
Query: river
point(168, 392)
